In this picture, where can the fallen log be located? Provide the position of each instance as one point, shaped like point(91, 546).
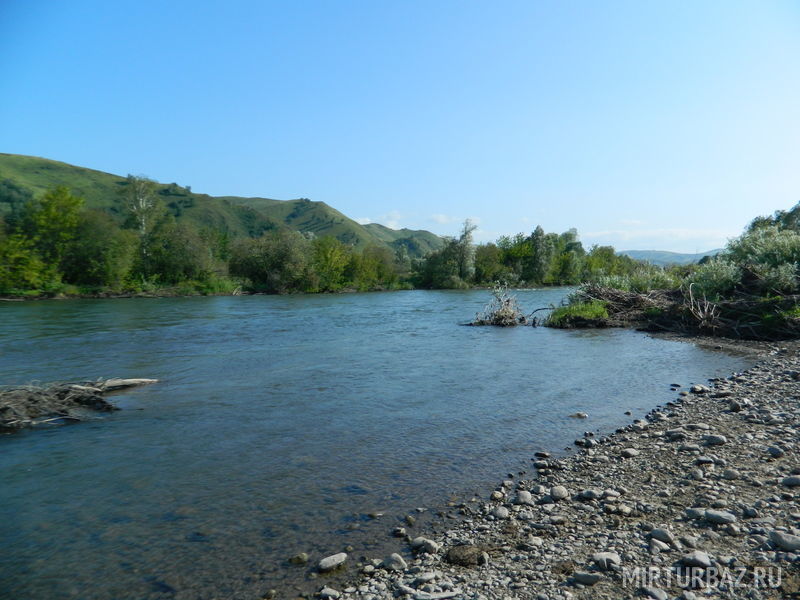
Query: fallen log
point(110, 385)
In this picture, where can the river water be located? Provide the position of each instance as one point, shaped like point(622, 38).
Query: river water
point(280, 423)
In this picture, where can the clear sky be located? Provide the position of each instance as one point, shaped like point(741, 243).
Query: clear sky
point(646, 125)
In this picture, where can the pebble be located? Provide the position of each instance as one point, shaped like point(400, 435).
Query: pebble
point(606, 561)
point(587, 578)
point(559, 492)
point(785, 541)
point(719, 517)
point(394, 562)
point(630, 452)
point(331, 562)
point(696, 559)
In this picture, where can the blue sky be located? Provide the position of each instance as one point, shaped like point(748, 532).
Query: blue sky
point(646, 125)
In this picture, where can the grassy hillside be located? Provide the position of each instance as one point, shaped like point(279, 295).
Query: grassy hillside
point(237, 216)
point(663, 258)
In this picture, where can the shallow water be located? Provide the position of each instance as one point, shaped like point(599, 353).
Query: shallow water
point(279, 423)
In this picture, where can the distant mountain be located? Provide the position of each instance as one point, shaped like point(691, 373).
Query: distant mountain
point(664, 258)
point(237, 216)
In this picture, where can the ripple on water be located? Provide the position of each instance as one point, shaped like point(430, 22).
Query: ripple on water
point(281, 423)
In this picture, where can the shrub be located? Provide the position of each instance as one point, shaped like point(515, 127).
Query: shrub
point(577, 313)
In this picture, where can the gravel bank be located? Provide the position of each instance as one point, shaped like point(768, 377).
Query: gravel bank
point(697, 500)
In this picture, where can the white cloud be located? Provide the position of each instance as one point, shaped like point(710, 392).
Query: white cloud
point(363, 220)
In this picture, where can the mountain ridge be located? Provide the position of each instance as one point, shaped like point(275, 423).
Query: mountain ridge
point(235, 215)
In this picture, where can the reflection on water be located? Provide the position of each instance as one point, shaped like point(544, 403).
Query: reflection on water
point(280, 423)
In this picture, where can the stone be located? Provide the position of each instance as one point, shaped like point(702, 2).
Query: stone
point(731, 474)
point(394, 562)
point(792, 481)
point(715, 440)
point(587, 578)
point(500, 512)
point(775, 452)
point(696, 559)
point(464, 555)
point(329, 563)
point(630, 452)
point(663, 535)
point(785, 541)
point(523, 497)
point(720, 517)
point(328, 592)
point(654, 593)
point(606, 561)
point(423, 544)
point(299, 559)
point(558, 492)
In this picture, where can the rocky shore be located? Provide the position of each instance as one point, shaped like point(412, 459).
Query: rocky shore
point(697, 500)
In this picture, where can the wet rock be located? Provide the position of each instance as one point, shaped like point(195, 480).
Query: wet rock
point(299, 559)
point(329, 563)
point(423, 544)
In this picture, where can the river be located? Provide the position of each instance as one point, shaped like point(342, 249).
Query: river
point(280, 423)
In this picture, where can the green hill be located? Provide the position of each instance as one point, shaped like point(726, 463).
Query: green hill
point(237, 216)
point(663, 258)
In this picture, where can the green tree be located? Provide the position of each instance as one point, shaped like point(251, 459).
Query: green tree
point(21, 268)
point(101, 253)
point(330, 259)
point(276, 262)
point(145, 212)
point(50, 222)
point(176, 252)
point(488, 264)
point(465, 251)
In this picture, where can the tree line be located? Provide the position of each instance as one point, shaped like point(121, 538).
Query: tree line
point(535, 259)
point(55, 244)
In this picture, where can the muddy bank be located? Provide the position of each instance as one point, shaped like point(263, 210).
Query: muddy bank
point(58, 403)
point(699, 499)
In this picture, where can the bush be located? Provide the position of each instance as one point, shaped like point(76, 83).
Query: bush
point(502, 311)
point(715, 279)
point(578, 314)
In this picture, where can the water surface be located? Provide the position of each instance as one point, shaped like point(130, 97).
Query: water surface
point(279, 423)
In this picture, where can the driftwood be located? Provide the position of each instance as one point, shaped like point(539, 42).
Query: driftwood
point(744, 316)
point(32, 405)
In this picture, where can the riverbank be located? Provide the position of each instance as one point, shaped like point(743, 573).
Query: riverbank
point(699, 499)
